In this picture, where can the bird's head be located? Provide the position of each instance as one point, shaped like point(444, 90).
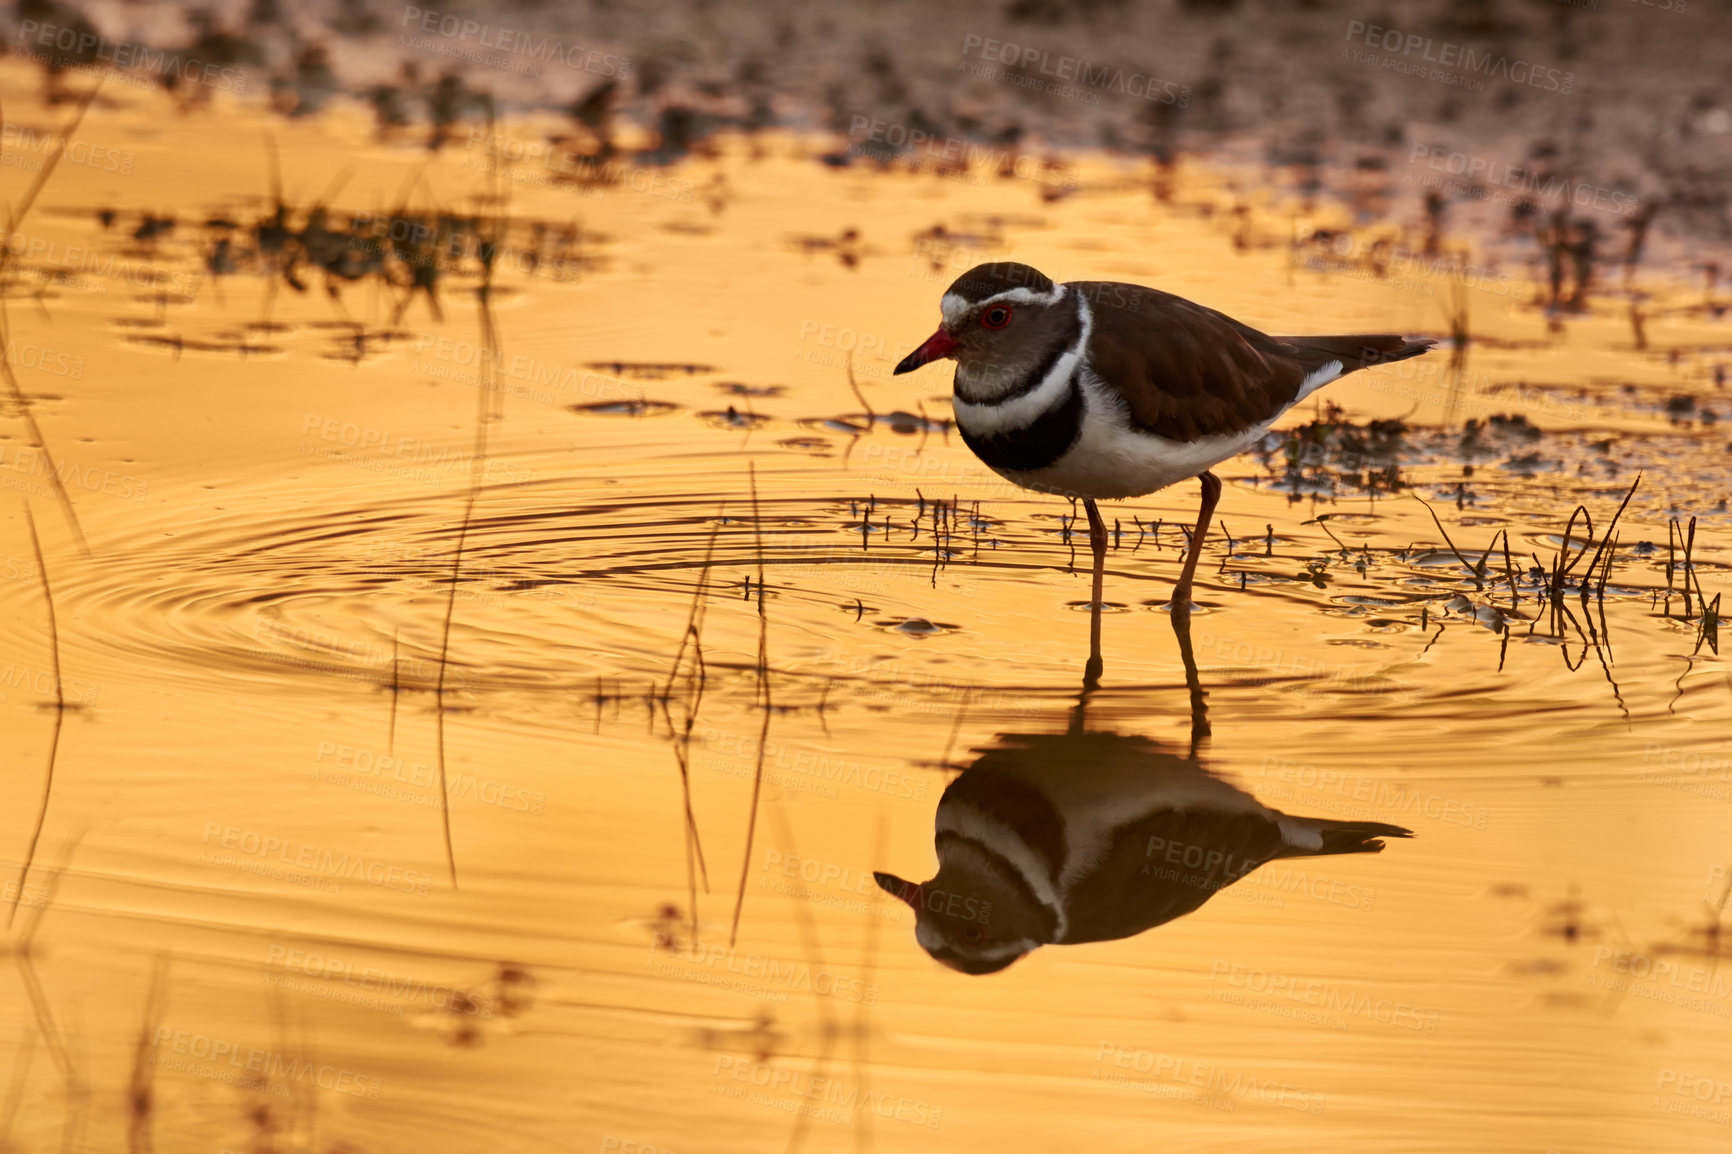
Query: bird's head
point(977, 916)
point(1001, 324)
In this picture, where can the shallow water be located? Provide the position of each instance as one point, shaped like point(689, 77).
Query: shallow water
point(242, 908)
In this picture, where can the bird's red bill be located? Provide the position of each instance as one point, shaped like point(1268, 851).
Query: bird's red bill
point(939, 344)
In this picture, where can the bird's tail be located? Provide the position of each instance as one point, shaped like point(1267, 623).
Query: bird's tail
point(1316, 837)
point(1355, 352)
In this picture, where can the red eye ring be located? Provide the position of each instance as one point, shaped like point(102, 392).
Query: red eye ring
point(1002, 312)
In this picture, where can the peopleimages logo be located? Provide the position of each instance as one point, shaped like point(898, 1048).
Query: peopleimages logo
point(93, 49)
point(960, 906)
point(1466, 59)
point(755, 973)
point(1396, 797)
point(1033, 62)
point(22, 147)
point(322, 861)
point(1524, 182)
point(817, 1090)
point(1330, 1002)
point(511, 40)
point(883, 141)
point(250, 1065)
point(1226, 1086)
point(385, 982)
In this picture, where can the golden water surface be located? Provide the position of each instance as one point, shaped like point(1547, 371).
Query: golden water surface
point(247, 923)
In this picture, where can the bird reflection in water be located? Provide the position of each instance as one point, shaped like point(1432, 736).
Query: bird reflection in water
point(1092, 835)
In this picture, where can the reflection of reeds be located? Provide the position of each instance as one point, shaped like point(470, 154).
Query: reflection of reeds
point(396, 693)
point(1609, 544)
point(1708, 628)
point(408, 253)
point(829, 1029)
point(764, 1038)
point(1638, 229)
point(141, 1091)
point(1554, 580)
point(956, 724)
point(1460, 336)
point(871, 417)
point(14, 218)
point(764, 703)
point(861, 1033)
point(1711, 930)
point(439, 688)
point(24, 955)
point(943, 524)
point(1680, 539)
point(693, 639)
point(489, 408)
point(1594, 639)
point(290, 1126)
point(59, 719)
point(21, 1060)
point(1681, 571)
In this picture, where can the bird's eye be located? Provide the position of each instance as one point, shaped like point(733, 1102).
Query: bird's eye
point(995, 317)
point(973, 935)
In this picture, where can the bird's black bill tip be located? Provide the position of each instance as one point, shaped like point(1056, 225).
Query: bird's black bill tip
point(890, 883)
point(939, 344)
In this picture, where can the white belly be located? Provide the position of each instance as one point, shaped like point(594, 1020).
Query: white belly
point(1110, 460)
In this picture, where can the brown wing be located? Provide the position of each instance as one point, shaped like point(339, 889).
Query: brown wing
point(1186, 371)
point(1163, 867)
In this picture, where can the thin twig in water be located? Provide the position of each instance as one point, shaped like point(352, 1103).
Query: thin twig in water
point(1689, 547)
point(1480, 566)
point(1474, 573)
point(1515, 595)
point(1319, 522)
point(1622, 505)
point(1606, 569)
point(1560, 569)
point(1671, 559)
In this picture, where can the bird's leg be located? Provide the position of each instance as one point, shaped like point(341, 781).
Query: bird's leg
point(1193, 682)
point(1211, 494)
point(1098, 542)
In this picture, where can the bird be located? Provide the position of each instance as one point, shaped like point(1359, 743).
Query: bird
point(1092, 836)
point(1101, 390)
